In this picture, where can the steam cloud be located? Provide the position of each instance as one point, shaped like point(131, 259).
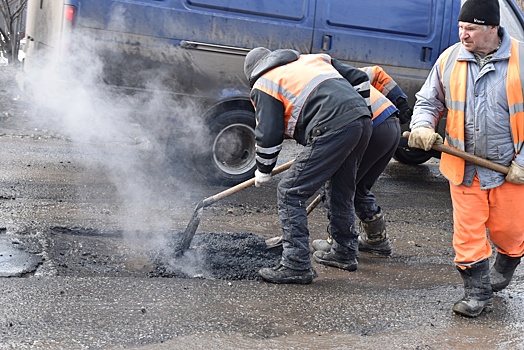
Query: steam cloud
point(124, 133)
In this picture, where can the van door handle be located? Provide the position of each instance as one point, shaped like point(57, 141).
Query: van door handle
point(326, 42)
point(197, 45)
point(425, 55)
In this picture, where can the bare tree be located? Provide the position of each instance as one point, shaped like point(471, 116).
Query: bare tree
point(11, 27)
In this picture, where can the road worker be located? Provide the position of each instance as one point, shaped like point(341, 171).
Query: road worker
point(384, 141)
point(323, 105)
point(478, 83)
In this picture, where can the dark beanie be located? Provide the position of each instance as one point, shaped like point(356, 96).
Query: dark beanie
point(252, 58)
point(484, 12)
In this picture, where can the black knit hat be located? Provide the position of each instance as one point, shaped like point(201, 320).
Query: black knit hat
point(485, 12)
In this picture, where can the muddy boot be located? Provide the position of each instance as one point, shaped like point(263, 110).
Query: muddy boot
point(282, 274)
point(331, 259)
point(373, 237)
point(502, 271)
point(323, 245)
point(478, 295)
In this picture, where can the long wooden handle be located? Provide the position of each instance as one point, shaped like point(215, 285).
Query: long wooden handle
point(467, 156)
point(314, 204)
point(472, 158)
point(210, 200)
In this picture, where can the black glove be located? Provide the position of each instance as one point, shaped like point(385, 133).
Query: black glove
point(404, 112)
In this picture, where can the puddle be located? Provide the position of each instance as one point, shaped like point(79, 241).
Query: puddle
point(14, 261)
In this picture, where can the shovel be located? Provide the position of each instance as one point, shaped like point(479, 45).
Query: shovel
point(195, 218)
point(274, 242)
point(466, 156)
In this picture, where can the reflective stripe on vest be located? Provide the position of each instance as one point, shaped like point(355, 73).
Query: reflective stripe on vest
point(515, 94)
point(292, 83)
point(381, 107)
point(455, 72)
point(454, 79)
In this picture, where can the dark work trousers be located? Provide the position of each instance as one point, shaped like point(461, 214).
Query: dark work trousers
point(382, 145)
point(333, 156)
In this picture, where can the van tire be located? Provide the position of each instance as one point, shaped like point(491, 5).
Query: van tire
point(231, 145)
point(410, 156)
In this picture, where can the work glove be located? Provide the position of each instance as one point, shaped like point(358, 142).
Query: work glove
point(515, 174)
point(260, 178)
point(424, 138)
point(404, 112)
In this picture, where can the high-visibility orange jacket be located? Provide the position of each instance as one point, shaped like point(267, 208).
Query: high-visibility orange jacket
point(300, 96)
point(381, 107)
point(484, 108)
point(384, 83)
point(384, 93)
point(454, 77)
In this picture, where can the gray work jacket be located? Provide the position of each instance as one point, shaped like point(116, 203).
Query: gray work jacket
point(487, 118)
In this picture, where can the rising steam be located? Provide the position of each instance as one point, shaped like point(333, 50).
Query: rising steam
point(123, 130)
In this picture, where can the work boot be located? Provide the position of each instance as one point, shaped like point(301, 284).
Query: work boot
point(373, 237)
point(331, 259)
point(323, 245)
point(282, 274)
point(502, 271)
point(478, 295)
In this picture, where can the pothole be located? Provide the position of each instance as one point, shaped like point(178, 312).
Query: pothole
point(229, 256)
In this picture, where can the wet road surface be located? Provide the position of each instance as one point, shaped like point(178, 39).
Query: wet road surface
point(94, 290)
point(90, 216)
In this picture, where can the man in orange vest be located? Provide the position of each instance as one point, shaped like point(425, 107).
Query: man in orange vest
point(323, 105)
point(478, 83)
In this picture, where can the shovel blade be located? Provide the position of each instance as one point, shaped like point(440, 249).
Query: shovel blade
point(189, 232)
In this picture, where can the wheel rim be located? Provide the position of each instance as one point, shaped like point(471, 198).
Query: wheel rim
point(234, 149)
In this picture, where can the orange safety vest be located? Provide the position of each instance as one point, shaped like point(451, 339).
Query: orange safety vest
point(381, 107)
point(307, 73)
point(380, 79)
point(454, 78)
point(381, 85)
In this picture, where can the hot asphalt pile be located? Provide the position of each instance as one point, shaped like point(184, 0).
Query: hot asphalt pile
point(228, 256)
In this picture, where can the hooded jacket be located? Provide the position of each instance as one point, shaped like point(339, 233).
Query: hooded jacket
point(303, 96)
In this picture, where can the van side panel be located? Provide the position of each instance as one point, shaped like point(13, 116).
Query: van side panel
point(270, 23)
point(290, 9)
point(379, 32)
point(373, 30)
point(512, 18)
point(209, 38)
point(451, 13)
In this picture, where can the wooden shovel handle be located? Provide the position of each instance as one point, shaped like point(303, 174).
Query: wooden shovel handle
point(210, 200)
point(467, 156)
